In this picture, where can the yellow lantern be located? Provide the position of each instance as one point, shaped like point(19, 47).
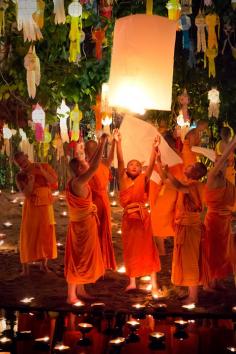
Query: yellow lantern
point(75, 11)
point(233, 4)
point(63, 113)
point(174, 9)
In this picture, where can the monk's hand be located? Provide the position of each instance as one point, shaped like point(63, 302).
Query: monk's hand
point(156, 144)
point(103, 138)
point(116, 135)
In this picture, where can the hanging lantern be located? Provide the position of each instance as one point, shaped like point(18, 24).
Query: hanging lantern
point(58, 145)
point(7, 135)
point(32, 65)
point(98, 113)
point(186, 7)
point(3, 7)
point(25, 145)
point(105, 8)
point(38, 16)
point(98, 36)
point(201, 32)
point(141, 78)
point(174, 9)
point(233, 4)
point(38, 118)
point(63, 113)
point(59, 11)
point(75, 118)
point(149, 7)
point(25, 11)
point(184, 25)
point(75, 12)
point(214, 103)
point(208, 2)
point(184, 101)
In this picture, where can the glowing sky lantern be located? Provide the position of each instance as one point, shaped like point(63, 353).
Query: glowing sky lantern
point(142, 70)
point(63, 113)
point(174, 9)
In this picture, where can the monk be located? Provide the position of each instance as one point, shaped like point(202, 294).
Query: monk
point(99, 187)
point(37, 232)
point(162, 197)
point(83, 257)
point(188, 259)
point(140, 253)
point(220, 200)
point(226, 136)
point(193, 138)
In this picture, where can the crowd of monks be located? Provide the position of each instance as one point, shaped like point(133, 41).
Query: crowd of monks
point(197, 214)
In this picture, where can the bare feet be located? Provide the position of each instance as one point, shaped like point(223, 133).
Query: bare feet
point(45, 269)
point(81, 292)
point(25, 270)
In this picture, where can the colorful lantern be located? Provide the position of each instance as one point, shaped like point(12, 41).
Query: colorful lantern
point(233, 4)
point(185, 24)
point(75, 118)
point(212, 21)
point(211, 54)
point(75, 12)
point(38, 16)
point(141, 78)
point(58, 145)
point(63, 113)
point(174, 9)
point(3, 7)
point(106, 8)
point(214, 103)
point(25, 11)
point(208, 2)
point(38, 118)
point(25, 145)
point(32, 66)
point(98, 36)
point(186, 7)
point(59, 11)
point(184, 101)
point(7, 135)
point(201, 32)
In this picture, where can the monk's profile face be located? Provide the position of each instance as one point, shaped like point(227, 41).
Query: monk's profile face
point(195, 171)
point(134, 168)
point(82, 167)
point(90, 148)
point(22, 161)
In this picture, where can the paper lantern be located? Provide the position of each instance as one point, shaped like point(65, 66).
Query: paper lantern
point(59, 11)
point(186, 7)
point(3, 7)
point(98, 36)
point(142, 63)
point(75, 11)
point(174, 9)
point(63, 113)
point(106, 122)
point(105, 8)
point(38, 118)
point(75, 118)
point(25, 11)
point(214, 103)
point(32, 66)
point(233, 4)
point(7, 133)
point(98, 113)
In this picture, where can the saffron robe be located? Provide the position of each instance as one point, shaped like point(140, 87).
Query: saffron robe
point(37, 232)
point(83, 257)
point(188, 265)
point(230, 170)
point(98, 184)
point(140, 253)
point(162, 203)
point(219, 239)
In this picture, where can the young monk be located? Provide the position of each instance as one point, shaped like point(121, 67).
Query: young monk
point(99, 187)
point(188, 259)
point(83, 257)
point(37, 232)
point(140, 253)
point(220, 200)
point(193, 138)
point(226, 136)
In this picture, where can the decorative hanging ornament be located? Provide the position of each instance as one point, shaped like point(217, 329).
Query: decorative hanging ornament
point(38, 118)
point(63, 113)
point(75, 118)
point(174, 9)
point(212, 21)
point(32, 65)
point(98, 36)
point(7, 135)
point(25, 21)
point(59, 11)
point(105, 8)
point(186, 7)
point(58, 145)
point(38, 16)
point(233, 4)
point(149, 7)
point(214, 103)
point(3, 7)
point(211, 54)
point(184, 101)
point(208, 2)
point(25, 145)
point(75, 12)
point(201, 32)
point(185, 24)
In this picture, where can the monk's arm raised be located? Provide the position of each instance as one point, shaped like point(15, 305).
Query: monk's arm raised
point(50, 176)
point(176, 183)
point(221, 161)
point(120, 158)
point(110, 158)
point(26, 188)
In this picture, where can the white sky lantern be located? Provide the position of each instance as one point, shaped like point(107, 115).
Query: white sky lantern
point(25, 21)
point(63, 113)
point(75, 9)
point(38, 115)
point(142, 63)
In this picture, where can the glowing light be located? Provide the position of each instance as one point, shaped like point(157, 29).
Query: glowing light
point(117, 341)
point(79, 304)
point(1, 242)
point(138, 307)
point(231, 349)
point(7, 224)
point(189, 306)
point(55, 193)
point(149, 287)
point(113, 203)
point(5, 340)
point(64, 213)
point(3, 236)
point(146, 278)
point(106, 122)
point(181, 122)
point(112, 193)
point(121, 269)
point(43, 339)
point(14, 201)
point(119, 231)
point(27, 300)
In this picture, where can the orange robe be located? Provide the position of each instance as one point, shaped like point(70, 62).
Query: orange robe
point(83, 257)
point(162, 203)
point(189, 157)
point(220, 203)
point(37, 232)
point(98, 185)
point(140, 253)
point(187, 265)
